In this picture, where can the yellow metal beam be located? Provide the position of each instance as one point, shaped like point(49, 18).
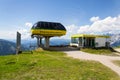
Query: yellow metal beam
point(89, 35)
point(45, 32)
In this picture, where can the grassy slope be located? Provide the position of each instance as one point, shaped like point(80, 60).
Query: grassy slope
point(117, 62)
point(47, 65)
point(97, 51)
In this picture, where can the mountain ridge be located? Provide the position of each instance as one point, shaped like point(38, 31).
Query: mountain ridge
point(7, 47)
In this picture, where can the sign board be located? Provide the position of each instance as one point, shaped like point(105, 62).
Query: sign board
point(18, 43)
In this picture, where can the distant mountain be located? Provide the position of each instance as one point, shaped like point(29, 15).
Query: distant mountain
point(115, 40)
point(53, 42)
point(59, 42)
point(8, 47)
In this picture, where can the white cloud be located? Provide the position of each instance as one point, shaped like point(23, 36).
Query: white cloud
point(98, 26)
point(25, 33)
point(107, 25)
point(71, 29)
point(7, 34)
point(11, 33)
point(28, 24)
point(83, 29)
point(93, 19)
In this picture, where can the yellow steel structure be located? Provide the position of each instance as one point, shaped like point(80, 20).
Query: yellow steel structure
point(46, 32)
point(89, 35)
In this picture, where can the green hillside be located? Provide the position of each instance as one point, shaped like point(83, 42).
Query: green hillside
point(50, 65)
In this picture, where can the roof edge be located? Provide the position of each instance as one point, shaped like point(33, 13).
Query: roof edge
point(89, 35)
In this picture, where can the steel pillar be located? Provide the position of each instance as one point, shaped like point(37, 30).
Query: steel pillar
point(47, 42)
point(38, 42)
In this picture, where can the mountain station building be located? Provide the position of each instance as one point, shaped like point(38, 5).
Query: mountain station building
point(89, 41)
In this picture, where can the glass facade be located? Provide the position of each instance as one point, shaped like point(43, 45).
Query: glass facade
point(84, 41)
point(74, 40)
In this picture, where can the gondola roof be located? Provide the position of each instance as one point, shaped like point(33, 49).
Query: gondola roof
point(48, 26)
point(51, 29)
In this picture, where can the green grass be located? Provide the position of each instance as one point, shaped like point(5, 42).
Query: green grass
point(50, 65)
point(117, 62)
point(97, 51)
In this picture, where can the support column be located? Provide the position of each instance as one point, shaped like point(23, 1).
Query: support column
point(47, 42)
point(82, 42)
point(79, 42)
point(91, 42)
point(85, 41)
point(38, 43)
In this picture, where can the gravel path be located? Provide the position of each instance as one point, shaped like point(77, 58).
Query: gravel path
point(105, 60)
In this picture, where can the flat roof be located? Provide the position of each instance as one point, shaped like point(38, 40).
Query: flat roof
point(89, 35)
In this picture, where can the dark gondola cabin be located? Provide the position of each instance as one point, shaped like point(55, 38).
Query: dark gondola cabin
point(48, 29)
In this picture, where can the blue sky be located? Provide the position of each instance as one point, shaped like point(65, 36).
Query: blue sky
point(14, 14)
